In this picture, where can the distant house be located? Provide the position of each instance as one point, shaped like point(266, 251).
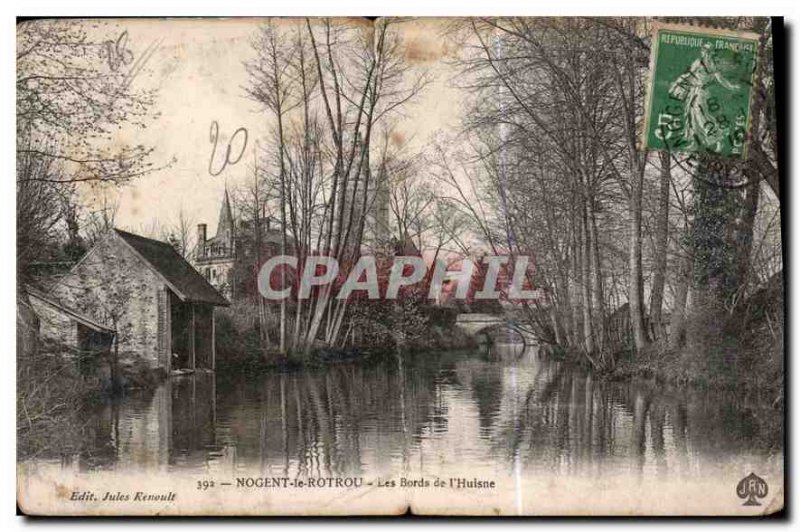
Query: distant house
point(215, 257)
point(233, 245)
point(158, 307)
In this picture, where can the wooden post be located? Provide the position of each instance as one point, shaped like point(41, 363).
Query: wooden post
point(213, 339)
point(168, 326)
point(164, 328)
point(194, 334)
point(213, 400)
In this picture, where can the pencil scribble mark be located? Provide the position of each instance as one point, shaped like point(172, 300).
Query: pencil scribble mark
point(214, 138)
point(117, 52)
point(141, 61)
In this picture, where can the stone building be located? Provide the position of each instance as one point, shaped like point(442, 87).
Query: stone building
point(215, 257)
point(56, 323)
point(229, 256)
point(159, 308)
point(228, 260)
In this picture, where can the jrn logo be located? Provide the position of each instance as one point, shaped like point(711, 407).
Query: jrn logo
point(750, 487)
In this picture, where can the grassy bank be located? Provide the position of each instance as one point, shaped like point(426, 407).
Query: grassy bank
point(244, 355)
point(748, 371)
point(740, 349)
point(52, 394)
point(240, 348)
point(58, 386)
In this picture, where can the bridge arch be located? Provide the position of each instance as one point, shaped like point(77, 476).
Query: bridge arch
point(485, 324)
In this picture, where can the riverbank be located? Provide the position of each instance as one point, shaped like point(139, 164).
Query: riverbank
point(686, 367)
point(746, 369)
point(52, 396)
point(244, 354)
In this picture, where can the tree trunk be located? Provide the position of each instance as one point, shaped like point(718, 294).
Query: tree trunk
point(714, 274)
point(677, 332)
point(282, 169)
point(576, 283)
point(588, 336)
point(599, 296)
point(635, 283)
point(744, 233)
point(116, 384)
point(660, 254)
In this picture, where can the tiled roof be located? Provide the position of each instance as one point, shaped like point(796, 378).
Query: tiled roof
point(80, 318)
point(163, 258)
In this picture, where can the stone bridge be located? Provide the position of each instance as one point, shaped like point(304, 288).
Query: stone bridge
point(477, 324)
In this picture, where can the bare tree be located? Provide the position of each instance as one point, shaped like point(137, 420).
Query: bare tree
point(329, 85)
point(180, 234)
point(73, 94)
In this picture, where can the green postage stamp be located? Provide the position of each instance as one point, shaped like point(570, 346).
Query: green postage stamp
point(701, 81)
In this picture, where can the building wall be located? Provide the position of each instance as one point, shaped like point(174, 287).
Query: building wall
point(54, 325)
point(115, 287)
point(217, 271)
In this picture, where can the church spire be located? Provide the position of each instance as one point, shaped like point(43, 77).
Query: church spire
point(225, 223)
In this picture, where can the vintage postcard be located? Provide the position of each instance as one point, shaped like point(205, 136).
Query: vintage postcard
point(505, 266)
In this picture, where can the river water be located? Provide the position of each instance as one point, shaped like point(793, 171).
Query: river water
point(500, 410)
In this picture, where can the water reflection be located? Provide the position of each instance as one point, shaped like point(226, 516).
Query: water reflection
point(500, 410)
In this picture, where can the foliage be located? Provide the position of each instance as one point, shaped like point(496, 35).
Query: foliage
point(552, 168)
point(73, 95)
point(53, 392)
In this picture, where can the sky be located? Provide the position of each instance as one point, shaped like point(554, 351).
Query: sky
point(198, 69)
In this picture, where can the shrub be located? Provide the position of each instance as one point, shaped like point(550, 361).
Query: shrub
point(51, 395)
